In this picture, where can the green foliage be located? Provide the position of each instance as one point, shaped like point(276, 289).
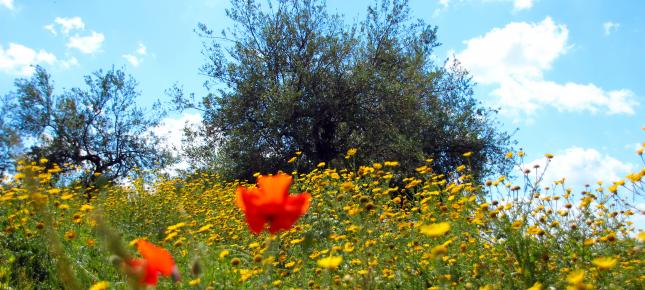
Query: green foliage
point(98, 127)
point(298, 79)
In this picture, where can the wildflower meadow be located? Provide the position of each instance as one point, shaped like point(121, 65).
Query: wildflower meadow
point(322, 144)
point(352, 227)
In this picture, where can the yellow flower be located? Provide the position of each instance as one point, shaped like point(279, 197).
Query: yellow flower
point(66, 197)
point(548, 155)
point(391, 163)
point(101, 285)
point(348, 247)
point(439, 251)
point(204, 228)
point(351, 152)
point(435, 230)
point(176, 226)
point(194, 282)
point(70, 235)
point(576, 277)
point(292, 160)
point(224, 253)
point(604, 263)
point(509, 155)
point(86, 207)
point(536, 286)
point(641, 236)
point(516, 224)
point(468, 154)
point(331, 262)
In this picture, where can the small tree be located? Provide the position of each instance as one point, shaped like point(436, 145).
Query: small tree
point(99, 127)
point(297, 79)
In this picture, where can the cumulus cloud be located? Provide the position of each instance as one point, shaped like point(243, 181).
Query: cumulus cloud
point(517, 4)
point(88, 44)
point(518, 49)
point(18, 59)
point(50, 28)
point(141, 50)
point(171, 132)
point(136, 58)
point(70, 24)
point(522, 4)
point(610, 27)
point(132, 59)
point(7, 4)
point(66, 25)
point(69, 62)
point(514, 58)
point(581, 166)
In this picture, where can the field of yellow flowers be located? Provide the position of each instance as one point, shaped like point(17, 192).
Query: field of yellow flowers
point(361, 227)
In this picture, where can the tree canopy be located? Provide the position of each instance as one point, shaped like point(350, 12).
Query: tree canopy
point(98, 128)
point(291, 77)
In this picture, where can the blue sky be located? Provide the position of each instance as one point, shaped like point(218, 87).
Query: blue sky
point(567, 74)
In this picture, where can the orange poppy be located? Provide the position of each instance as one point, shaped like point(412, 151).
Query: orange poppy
point(156, 261)
point(270, 203)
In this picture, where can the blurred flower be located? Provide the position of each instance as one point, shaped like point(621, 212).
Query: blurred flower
point(271, 203)
point(156, 261)
point(331, 262)
point(604, 263)
point(101, 285)
point(435, 230)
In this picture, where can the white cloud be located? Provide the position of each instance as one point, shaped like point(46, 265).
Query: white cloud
point(610, 27)
point(70, 24)
point(518, 49)
point(523, 95)
point(50, 28)
point(132, 59)
point(17, 59)
point(136, 58)
point(517, 4)
point(86, 44)
point(522, 4)
point(141, 50)
point(171, 132)
point(68, 63)
point(515, 57)
point(7, 4)
point(580, 166)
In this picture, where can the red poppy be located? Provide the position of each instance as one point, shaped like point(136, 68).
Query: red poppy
point(270, 202)
point(156, 261)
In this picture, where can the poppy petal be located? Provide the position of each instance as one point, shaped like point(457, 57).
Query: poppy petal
point(293, 209)
point(157, 258)
point(298, 203)
point(150, 276)
point(256, 220)
point(239, 197)
point(274, 188)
